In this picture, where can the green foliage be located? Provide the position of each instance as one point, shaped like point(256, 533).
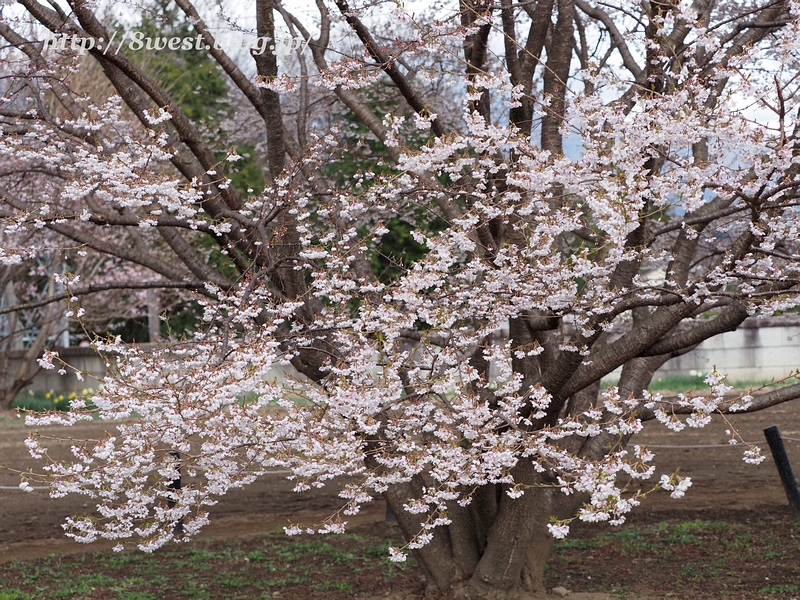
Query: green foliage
point(245, 174)
point(699, 571)
point(180, 319)
point(685, 533)
point(15, 594)
point(131, 331)
point(397, 250)
point(362, 159)
point(199, 87)
point(38, 401)
point(191, 77)
point(362, 152)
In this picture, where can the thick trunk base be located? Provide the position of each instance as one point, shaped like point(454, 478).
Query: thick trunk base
point(509, 559)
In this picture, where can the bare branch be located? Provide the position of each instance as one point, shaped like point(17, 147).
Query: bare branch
point(95, 288)
point(388, 64)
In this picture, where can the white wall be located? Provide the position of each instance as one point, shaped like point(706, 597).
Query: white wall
point(760, 350)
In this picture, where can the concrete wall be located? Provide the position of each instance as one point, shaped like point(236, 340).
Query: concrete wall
point(86, 359)
point(760, 350)
point(83, 359)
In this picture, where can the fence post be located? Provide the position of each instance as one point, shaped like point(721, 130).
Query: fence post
point(175, 484)
point(775, 442)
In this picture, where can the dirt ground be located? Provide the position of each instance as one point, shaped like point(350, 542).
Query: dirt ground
point(724, 487)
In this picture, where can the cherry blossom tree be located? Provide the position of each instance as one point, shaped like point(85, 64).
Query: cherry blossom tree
point(616, 183)
point(26, 331)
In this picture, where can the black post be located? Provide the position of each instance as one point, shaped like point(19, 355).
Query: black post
point(175, 484)
point(775, 442)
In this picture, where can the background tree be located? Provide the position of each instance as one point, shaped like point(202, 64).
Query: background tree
point(30, 331)
point(486, 440)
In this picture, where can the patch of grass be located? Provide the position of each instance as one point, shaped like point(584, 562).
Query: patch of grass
point(699, 559)
point(14, 594)
point(686, 533)
point(699, 571)
point(331, 567)
point(779, 589)
point(629, 541)
point(342, 586)
point(680, 383)
point(580, 544)
point(38, 401)
point(740, 542)
point(694, 380)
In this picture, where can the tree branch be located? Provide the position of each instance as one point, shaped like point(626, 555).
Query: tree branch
point(198, 286)
point(388, 64)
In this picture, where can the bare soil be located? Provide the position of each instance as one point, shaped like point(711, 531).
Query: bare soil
point(724, 488)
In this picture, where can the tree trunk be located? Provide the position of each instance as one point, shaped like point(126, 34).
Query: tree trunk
point(28, 367)
point(507, 537)
point(26, 370)
point(11, 391)
point(153, 316)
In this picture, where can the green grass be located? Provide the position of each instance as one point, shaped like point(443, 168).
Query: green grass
point(779, 589)
point(15, 594)
point(329, 567)
point(38, 401)
point(694, 381)
point(635, 541)
point(700, 559)
point(680, 383)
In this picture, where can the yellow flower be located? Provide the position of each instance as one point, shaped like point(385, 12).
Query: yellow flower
point(72, 395)
point(47, 395)
point(84, 392)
